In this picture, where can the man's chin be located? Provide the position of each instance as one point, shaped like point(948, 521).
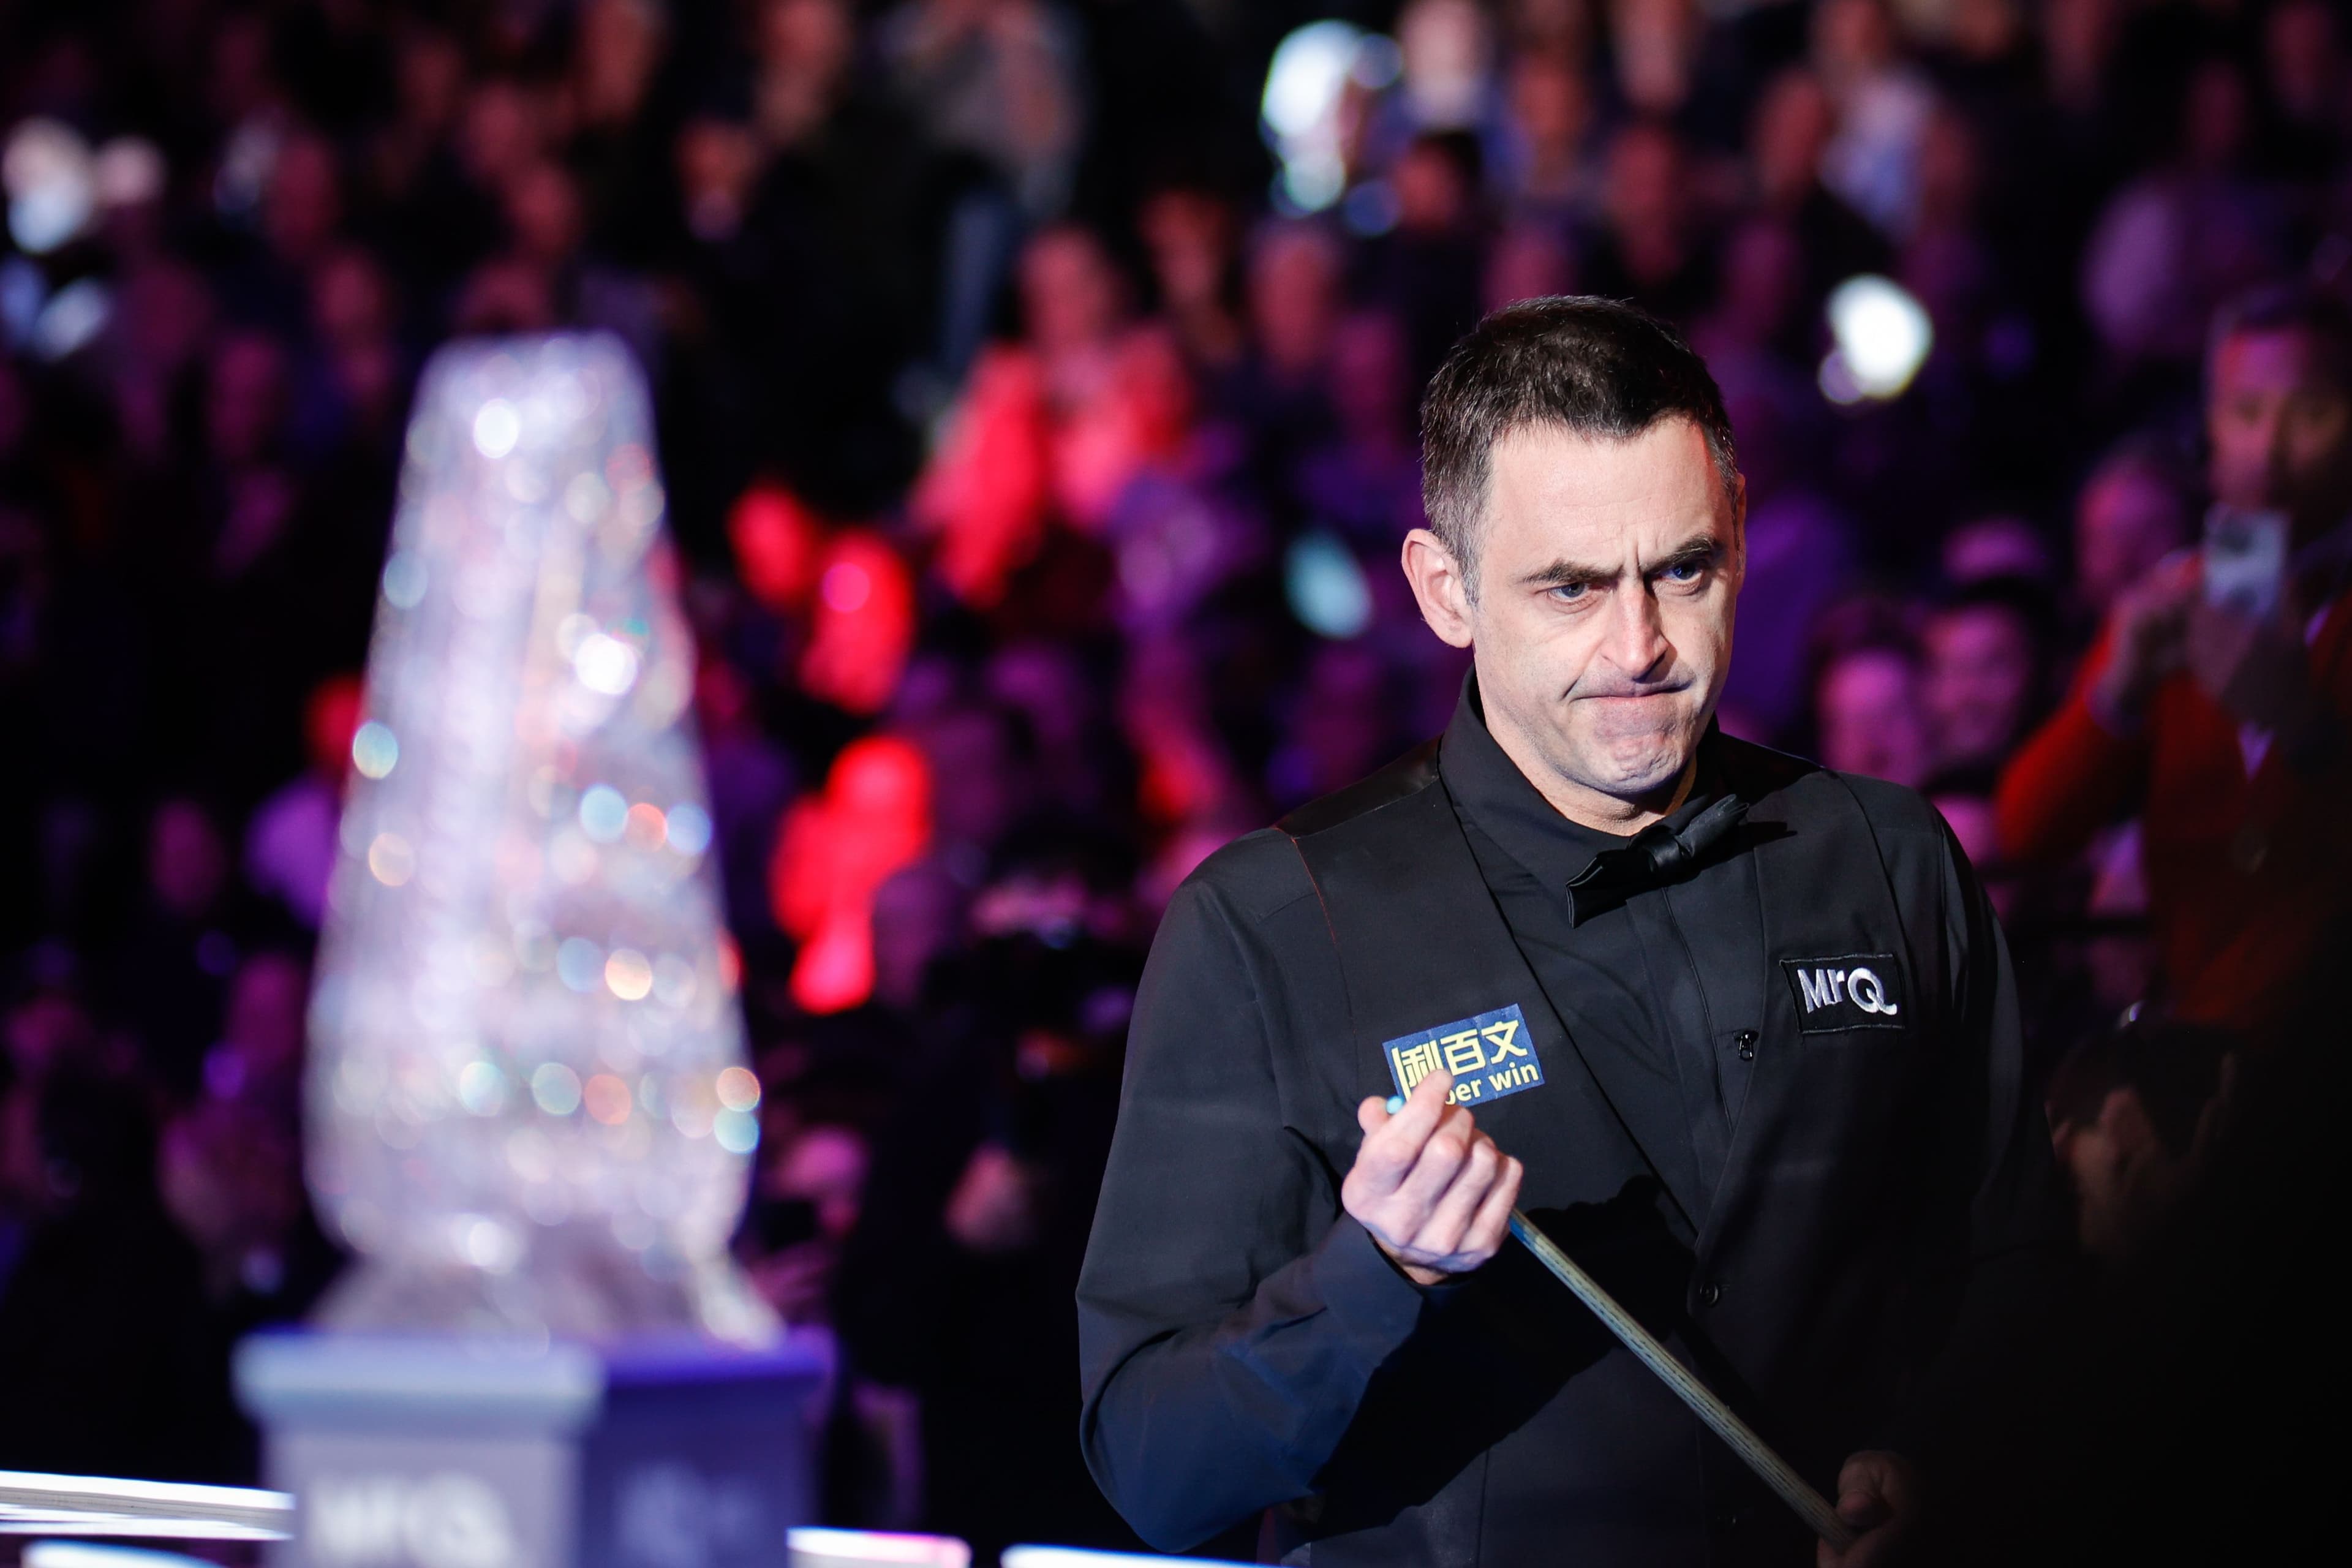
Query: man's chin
point(1644, 782)
point(1633, 766)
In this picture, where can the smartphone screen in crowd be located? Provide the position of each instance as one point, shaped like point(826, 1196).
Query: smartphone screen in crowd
point(2245, 561)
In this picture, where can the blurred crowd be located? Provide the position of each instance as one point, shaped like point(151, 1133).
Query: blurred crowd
point(1039, 430)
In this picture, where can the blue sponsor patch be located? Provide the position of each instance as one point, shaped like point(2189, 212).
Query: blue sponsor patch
point(1490, 1055)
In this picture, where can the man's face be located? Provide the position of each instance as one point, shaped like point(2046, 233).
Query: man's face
point(2127, 523)
point(1601, 630)
point(1979, 680)
point(2279, 426)
point(1870, 717)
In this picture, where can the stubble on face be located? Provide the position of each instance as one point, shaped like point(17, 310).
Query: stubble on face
point(1608, 572)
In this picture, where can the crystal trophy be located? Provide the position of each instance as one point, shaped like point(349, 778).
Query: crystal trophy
point(528, 1113)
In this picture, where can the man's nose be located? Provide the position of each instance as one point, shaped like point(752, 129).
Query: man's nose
point(1637, 637)
point(2278, 459)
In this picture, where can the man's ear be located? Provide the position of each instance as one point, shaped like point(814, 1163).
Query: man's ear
point(1438, 587)
point(1740, 529)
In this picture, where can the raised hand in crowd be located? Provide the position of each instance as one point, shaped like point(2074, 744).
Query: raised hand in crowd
point(2147, 636)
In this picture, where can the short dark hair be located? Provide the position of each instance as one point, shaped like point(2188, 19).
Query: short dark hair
point(1596, 368)
point(2290, 307)
point(2020, 595)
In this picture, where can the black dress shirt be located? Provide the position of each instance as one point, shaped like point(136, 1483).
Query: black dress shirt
point(1627, 980)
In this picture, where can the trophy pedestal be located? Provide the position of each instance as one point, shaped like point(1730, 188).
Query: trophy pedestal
point(451, 1453)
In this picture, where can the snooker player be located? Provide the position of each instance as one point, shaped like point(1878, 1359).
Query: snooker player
point(1739, 1033)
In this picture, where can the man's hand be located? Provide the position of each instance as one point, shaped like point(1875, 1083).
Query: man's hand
point(1878, 1494)
point(2149, 624)
point(1433, 1190)
point(2257, 669)
point(994, 1209)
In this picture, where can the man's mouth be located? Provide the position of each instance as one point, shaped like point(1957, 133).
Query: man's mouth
point(1629, 695)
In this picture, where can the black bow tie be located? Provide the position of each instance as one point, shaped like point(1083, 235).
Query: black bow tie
point(1657, 854)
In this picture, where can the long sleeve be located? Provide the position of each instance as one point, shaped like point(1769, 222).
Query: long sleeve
point(1230, 1315)
point(2070, 779)
point(2018, 1262)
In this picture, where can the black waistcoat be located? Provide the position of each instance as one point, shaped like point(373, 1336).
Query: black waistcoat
point(1512, 1428)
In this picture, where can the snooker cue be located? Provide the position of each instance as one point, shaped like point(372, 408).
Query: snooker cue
point(1810, 1506)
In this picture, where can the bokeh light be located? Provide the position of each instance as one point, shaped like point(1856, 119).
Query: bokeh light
point(1882, 335)
point(1326, 587)
point(739, 1089)
point(375, 750)
point(72, 319)
point(1300, 109)
point(628, 975)
point(51, 183)
point(555, 1088)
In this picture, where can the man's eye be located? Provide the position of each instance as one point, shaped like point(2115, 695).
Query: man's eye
point(2319, 413)
point(1570, 591)
point(1685, 572)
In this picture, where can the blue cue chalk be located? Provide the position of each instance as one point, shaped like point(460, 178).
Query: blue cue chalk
point(1396, 1103)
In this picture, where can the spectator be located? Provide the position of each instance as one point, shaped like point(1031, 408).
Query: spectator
point(1985, 672)
point(2178, 242)
point(810, 1186)
point(995, 79)
point(175, 965)
point(1175, 535)
point(1074, 300)
point(1790, 134)
point(2132, 512)
point(1884, 105)
point(1646, 250)
point(2132, 1115)
point(231, 1179)
point(1868, 712)
point(1293, 298)
point(1446, 49)
point(1546, 178)
point(1428, 270)
point(1190, 232)
point(258, 1059)
point(1367, 484)
point(2303, 69)
point(2224, 731)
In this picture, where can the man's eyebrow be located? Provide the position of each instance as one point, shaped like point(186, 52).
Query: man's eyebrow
point(1568, 574)
point(1699, 549)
